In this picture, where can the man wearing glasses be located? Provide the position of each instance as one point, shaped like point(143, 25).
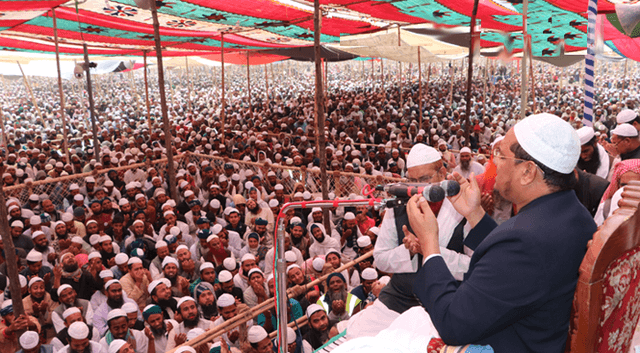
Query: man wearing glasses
point(518, 291)
point(625, 138)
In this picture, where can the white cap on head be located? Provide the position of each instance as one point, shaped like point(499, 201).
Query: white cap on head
point(421, 154)
point(625, 130)
point(116, 313)
point(93, 255)
point(121, 259)
point(226, 300)
point(34, 256)
point(229, 264)
point(274, 203)
point(312, 309)
point(72, 310)
point(34, 280)
point(78, 330)
point(206, 265)
point(318, 264)
point(111, 282)
point(585, 134)
point(62, 288)
point(369, 274)
point(106, 274)
point(184, 300)
point(134, 260)
point(184, 349)
point(256, 334)
point(115, 345)
point(193, 333)
point(349, 216)
point(625, 116)
point(225, 276)
point(161, 244)
point(35, 220)
point(169, 260)
point(364, 241)
point(291, 335)
point(374, 230)
point(290, 256)
point(35, 234)
point(550, 140)
point(247, 257)
point(130, 307)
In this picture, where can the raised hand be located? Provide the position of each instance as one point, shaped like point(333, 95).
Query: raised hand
point(468, 202)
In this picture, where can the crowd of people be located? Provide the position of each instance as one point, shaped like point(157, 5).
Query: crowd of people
point(114, 262)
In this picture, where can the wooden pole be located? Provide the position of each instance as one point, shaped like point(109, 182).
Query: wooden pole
point(223, 102)
point(420, 87)
point(33, 98)
point(533, 81)
point(382, 72)
point(63, 116)
point(523, 68)
point(5, 141)
point(266, 80)
point(146, 90)
point(249, 86)
point(400, 81)
point(168, 140)
point(10, 256)
point(94, 126)
point(467, 125)
point(186, 60)
point(451, 77)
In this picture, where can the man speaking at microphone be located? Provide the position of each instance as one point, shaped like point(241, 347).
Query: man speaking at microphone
point(517, 294)
point(424, 165)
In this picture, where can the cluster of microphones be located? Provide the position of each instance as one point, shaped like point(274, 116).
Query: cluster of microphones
point(435, 192)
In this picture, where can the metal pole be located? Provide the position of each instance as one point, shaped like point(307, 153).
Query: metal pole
point(146, 90)
point(523, 68)
point(222, 113)
point(65, 134)
point(168, 140)
point(420, 87)
point(266, 80)
point(249, 87)
point(467, 126)
point(186, 60)
point(94, 127)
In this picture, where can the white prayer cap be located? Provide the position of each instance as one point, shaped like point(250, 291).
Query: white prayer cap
point(17, 224)
point(214, 203)
point(256, 334)
point(226, 300)
point(374, 230)
point(585, 134)
point(206, 265)
point(184, 300)
point(625, 116)
point(130, 307)
point(295, 220)
point(106, 274)
point(116, 313)
point(123, 201)
point(34, 256)
point(74, 186)
point(247, 257)
point(153, 285)
point(161, 244)
point(169, 260)
point(35, 220)
point(384, 280)
point(216, 229)
point(23, 281)
point(550, 140)
point(225, 276)
point(229, 264)
point(62, 288)
point(290, 256)
point(105, 238)
point(77, 240)
point(79, 331)
point(108, 284)
point(193, 333)
point(78, 197)
point(115, 346)
point(318, 264)
point(465, 150)
point(175, 231)
point(185, 349)
point(291, 335)
point(134, 260)
point(94, 238)
point(349, 216)
point(312, 309)
point(278, 187)
point(422, 154)
point(93, 255)
point(291, 267)
point(67, 217)
point(72, 310)
point(34, 280)
point(369, 274)
point(121, 259)
point(625, 130)
point(36, 234)
point(255, 270)
point(364, 241)
point(273, 203)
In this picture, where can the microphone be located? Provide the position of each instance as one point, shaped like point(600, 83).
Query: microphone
point(431, 192)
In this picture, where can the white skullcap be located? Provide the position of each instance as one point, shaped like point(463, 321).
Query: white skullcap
point(115, 345)
point(214, 203)
point(216, 229)
point(78, 197)
point(369, 274)
point(318, 264)
point(465, 150)
point(153, 285)
point(23, 281)
point(291, 335)
point(169, 260)
point(226, 300)
point(74, 186)
point(121, 259)
point(62, 288)
point(139, 196)
point(206, 265)
point(123, 202)
point(273, 203)
point(193, 333)
point(139, 221)
point(184, 300)
point(77, 240)
point(130, 307)
point(67, 217)
point(349, 216)
point(185, 349)
point(256, 334)
point(134, 260)
point(94, 254)
point(312, 309)
point(34, 280)
point(34, 256)
point(106, 274)
point(105, 238)
point(72, 310)
point(225, 276)
point(181, 247)
point(422, 154)
point(175, 231)
point(109, 283)
point(278, 187)
point(35, 220)
point(290, 256)
point(116, 313)
point(384, 280)
point(585, 134)
point(255, 270)
point(550, 140)
point(229, 263)
point(161, 244)
point(625, 130)
point(247, 257)
point(78, 330)
point(94, 238)
point(364, 241)
point(16, 223)
point(36, 234)
point(374, 230)
point(291, 267)
point(625, 116)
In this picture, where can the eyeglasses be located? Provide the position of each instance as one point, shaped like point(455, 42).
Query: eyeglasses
point(498, 154)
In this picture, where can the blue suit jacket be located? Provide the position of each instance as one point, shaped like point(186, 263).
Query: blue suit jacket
point(518, 291)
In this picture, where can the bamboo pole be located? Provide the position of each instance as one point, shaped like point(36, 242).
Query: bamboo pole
point(266, 80)
point(5, 141)
point(223, 102)
point(63, 116)
point(92, 114)
point(186, 60)
point(249, 87)
point(523, 68)
point(10, 256)
point(420, 87)
point(146, 90)
point(467, 125)
point(168, 140)
point(33, 98)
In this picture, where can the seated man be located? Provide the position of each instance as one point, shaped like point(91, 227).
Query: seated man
point(119, 330)
point(227, 286)
point(320, 329)
point(369, 277)
point(10, 326)
point(68, 298)
point(79, 340)
point(257, 292)
point(518, 292)
point(228, 309)
point(190, 319)
point(259, 340)
point(70, 316)
point(339, 303)
point(159, 327)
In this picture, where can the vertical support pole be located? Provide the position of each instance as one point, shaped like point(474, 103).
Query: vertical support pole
point(266, 80)
point(467, 125)
point(400, 83)
point(249, 86)
point(382, 72)
point(146, 89)
point(168, 140)
point(523, 66)
point(63, 116)
point(224, 103)
point(10, 256)
point(94, 127)
point(33, 98)
point(420, 87)
point(186, 60)
point(533, 81)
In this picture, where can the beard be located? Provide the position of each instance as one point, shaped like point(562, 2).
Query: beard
point(209, 311)
point(254, 210)
point(115, 303)
point(592, 165)
point(173, 279)
point(164, 303)
point(41, 248)
point(86, 350)
point(159, 332)
point(191, 323)
point(339, 295)
point(465, 165)
point(70, 267)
